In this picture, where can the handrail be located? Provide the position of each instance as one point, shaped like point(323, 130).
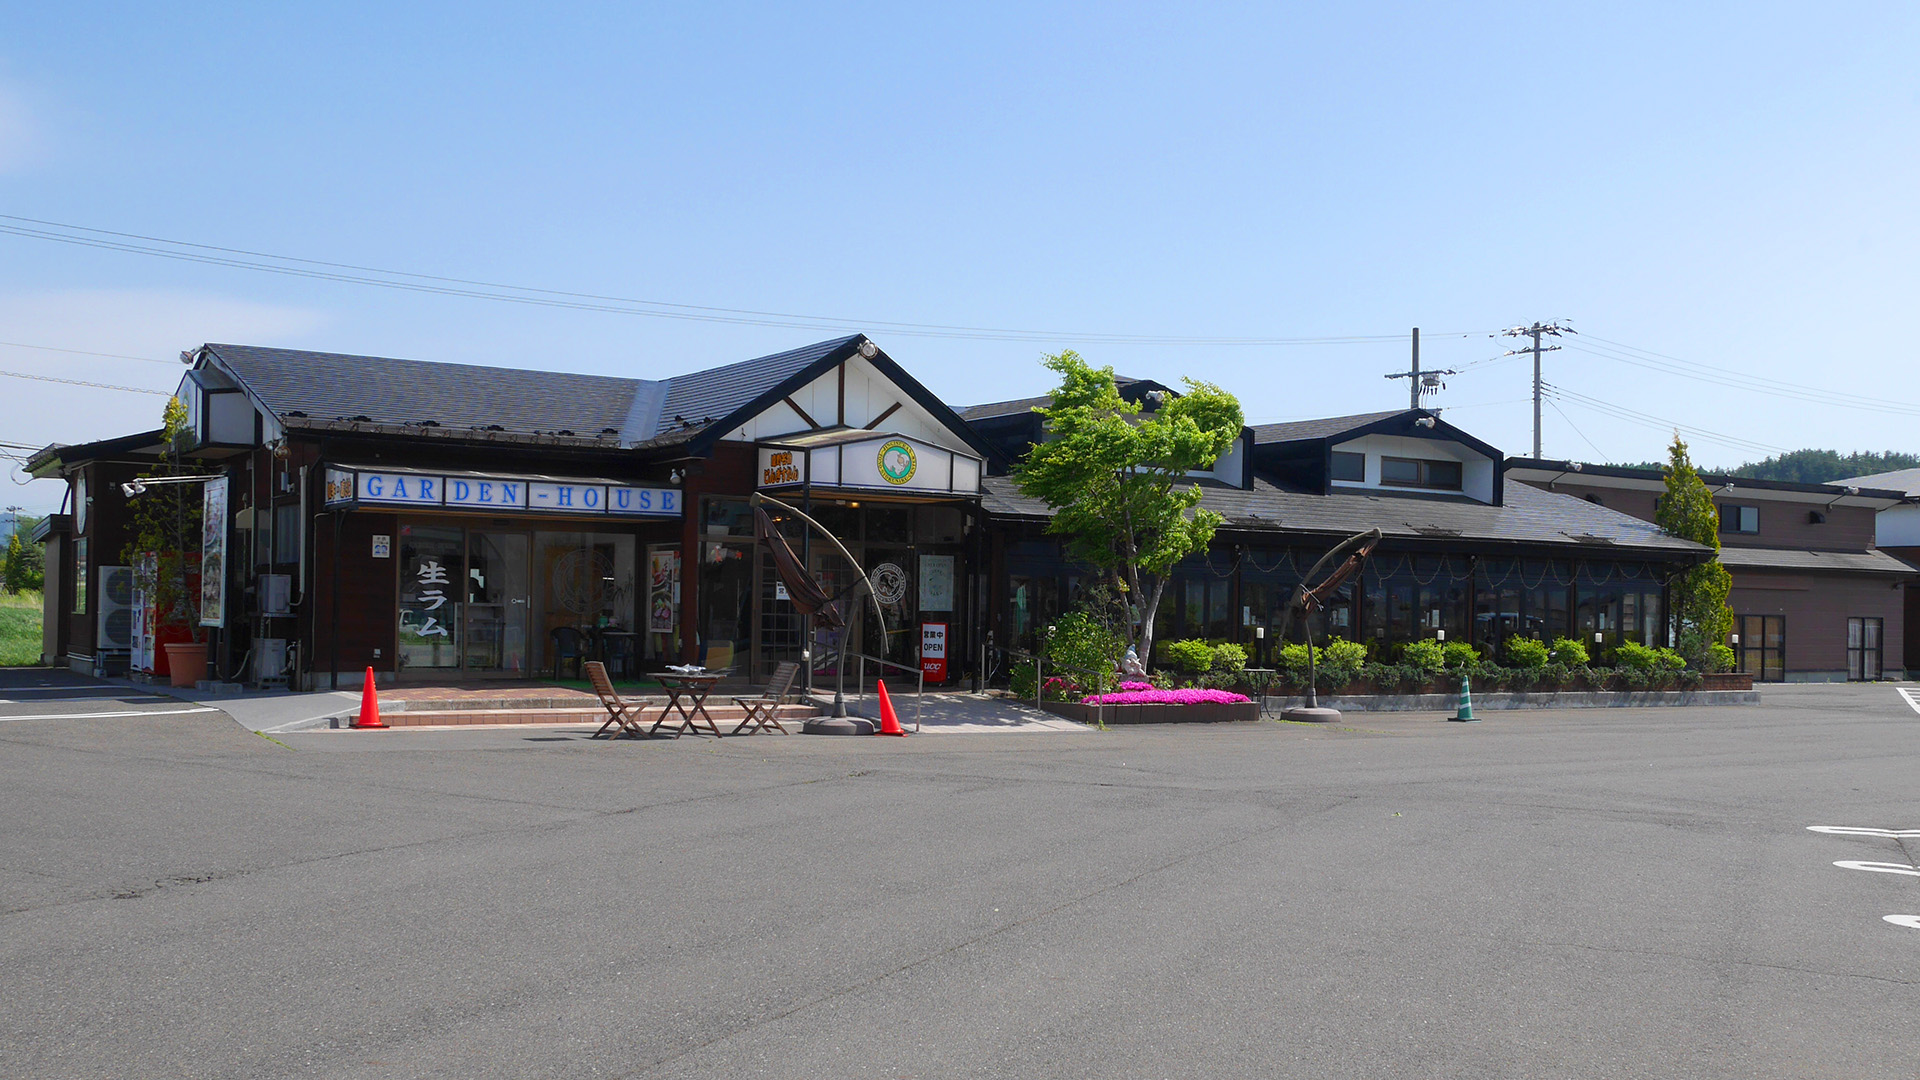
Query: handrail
point(1040, 679)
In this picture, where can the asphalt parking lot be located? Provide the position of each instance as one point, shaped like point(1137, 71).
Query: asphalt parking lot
point(1603, 893)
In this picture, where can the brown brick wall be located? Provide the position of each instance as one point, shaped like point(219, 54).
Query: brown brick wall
point(1816, 608)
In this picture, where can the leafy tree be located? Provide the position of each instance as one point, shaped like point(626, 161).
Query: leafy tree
point(1701, 617)
point(1113, 475)
point(25, 569)
point(165, 520)
point(1825, 466)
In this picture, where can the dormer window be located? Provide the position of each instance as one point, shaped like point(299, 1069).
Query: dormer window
point(1350, 466)
point(1420, 473)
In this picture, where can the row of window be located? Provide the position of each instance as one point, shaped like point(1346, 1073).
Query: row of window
point(1351, 467)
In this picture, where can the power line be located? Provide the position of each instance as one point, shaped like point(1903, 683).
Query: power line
point(1621, 412)
point(1550, 329)
point(83, 352)
point(434, 284)
point(1757, 384)
point(79, 382)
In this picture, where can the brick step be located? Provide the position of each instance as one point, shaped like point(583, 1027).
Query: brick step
point(723, 715)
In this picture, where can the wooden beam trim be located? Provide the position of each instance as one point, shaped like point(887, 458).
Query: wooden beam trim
point(795, 406)
point(878, 420)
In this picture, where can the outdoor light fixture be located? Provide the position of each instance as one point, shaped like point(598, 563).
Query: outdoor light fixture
point(673, 476)
point(135, 488)
point(139, 487)
point(1425, 422)
point(869, 350)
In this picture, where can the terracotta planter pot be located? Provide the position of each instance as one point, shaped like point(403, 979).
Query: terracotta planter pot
point(186, 662)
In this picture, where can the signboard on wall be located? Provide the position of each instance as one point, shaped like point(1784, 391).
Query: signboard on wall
point(349, 486)
point(875, 461)
point(213, 552)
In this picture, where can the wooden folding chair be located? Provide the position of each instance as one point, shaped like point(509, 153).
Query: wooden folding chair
point(762, 710)
point(619, 710)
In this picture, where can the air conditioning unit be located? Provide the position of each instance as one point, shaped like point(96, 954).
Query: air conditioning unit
point(275, 591)
point(270, 661)
point(116, 609)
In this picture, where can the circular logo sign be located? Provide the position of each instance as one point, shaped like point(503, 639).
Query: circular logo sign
point(897, 462)
point(889, 583)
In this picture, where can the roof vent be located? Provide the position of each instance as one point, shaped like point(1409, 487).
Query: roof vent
point(293, 412)
point(360, 419)
point(564, 431)
point(1433, 530)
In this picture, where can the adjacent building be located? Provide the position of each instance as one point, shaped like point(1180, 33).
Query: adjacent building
point(1815, 598)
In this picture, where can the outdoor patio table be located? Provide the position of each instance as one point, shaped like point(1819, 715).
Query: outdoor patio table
point(686, 695)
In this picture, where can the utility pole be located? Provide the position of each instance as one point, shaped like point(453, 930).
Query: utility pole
point(1536, 331)
point(1420, 382)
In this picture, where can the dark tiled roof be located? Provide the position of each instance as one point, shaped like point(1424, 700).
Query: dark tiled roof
point(1854, 562)
point(1327, 427)
point(1597, 474)
point(1005, 408)
point(44, 461)
point(1530, 516)
point(715, 392)
point(336, 386)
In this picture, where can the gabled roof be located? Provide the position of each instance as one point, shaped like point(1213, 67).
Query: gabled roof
point(50, 460)
point(385, 390)
point(1325, 428)
point(339, 391)
point(1021, 406)
point(1529, 516)
point(1799, 560)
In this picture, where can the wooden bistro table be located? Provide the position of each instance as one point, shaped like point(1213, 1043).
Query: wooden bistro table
point(687, 695)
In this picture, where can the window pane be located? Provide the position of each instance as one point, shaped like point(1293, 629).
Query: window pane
point(1349, 466)
point(1443, 474)
point(1399, 471)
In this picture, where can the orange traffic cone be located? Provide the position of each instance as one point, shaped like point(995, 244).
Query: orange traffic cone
point(889, 721)
point(369, 706)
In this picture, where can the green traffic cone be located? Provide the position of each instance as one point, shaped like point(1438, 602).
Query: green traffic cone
point(1465, 715)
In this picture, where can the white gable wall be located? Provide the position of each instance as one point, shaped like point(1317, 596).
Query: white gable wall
point(869, 394)
point(1476, 481)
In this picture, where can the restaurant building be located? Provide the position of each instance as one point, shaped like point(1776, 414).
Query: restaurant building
point(445, 522)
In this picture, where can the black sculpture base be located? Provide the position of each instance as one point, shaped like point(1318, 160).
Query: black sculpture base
point(838, 725)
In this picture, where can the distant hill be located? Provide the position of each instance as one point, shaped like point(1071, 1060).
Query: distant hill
point(1807, 466)
point(1822, 466)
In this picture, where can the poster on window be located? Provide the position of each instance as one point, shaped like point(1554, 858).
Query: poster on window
point(936, 583)
point(663, 589)
point(213, 552)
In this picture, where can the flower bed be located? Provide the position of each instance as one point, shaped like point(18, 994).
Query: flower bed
point(1145, 694)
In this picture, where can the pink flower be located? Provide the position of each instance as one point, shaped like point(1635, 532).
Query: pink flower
point(1130, 696)
point(1136, 686)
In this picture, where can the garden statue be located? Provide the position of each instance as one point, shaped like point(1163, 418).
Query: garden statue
point(1130, 665)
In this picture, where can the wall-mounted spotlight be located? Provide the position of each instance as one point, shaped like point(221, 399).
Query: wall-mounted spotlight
point(869, 350)
point(1424, 422)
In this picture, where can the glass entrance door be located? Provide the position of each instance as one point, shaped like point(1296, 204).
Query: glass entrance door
point(432, 567)
point(1863, 649)
point(496, 604)
point(1762, 649)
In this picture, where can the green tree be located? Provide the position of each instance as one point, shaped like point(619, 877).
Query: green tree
point(165, 521)
point(1116, 477)
point(25, 569)
point(1701, 618)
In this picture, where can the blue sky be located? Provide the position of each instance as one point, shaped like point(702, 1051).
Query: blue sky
point(1728, 185)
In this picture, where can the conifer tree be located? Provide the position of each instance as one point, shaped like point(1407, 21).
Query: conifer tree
point(1698, 595)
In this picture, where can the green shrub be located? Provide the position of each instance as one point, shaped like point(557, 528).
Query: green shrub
point(1529, 653)
point(1719, 658)
point(1077, 640)
point(1570, 652)
point(1024, 679)
point(1229, 657)
point(1192, 657)
point(1460, 656)
point(1631, 656)
point(1426, 654)
point(1339, 661)
point(1554, 676)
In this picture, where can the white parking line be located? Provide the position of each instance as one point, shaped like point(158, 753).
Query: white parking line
point(1911, 697)
point(1879, 867)
point(1911, 922)
point(106, 715)
point(1848, 830)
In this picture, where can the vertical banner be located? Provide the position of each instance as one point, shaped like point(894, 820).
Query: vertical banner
point(933, 651)
point(936, 583)
point(213, 552)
